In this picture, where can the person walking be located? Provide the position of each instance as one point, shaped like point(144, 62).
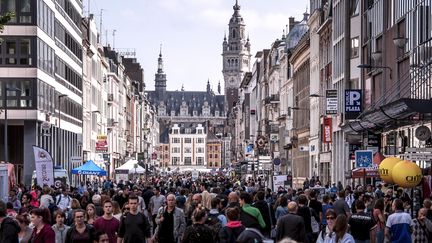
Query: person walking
point(170, 222)
point(361, 223)
point(398, 226)
point(340, 231)
point(42, 231)
point(80, 232)
point(234, 227)
point(108, 223)
point(341, 206)
point(291, 225)
point(156, 201)
point(281, 209)
point(198, 232)
point(422, 227)
point(327, 229)
point(379, 218)
point(264, 209)
point(134, 226)
point(9, 229)
point(25, 233)
point(60, 229)
point(249, 216)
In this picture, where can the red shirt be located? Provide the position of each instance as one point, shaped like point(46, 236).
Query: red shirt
point(45, 235)
point(110, 227)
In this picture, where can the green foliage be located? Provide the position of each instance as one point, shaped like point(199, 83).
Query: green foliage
point(4, 19)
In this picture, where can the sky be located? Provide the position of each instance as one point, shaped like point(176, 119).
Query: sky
point(190, 31)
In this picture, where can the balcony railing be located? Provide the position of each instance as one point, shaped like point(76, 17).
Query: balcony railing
point(272, 99)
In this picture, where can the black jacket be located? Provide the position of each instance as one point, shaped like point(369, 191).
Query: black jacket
point(9, 230)
point(292, 226)
point(265, 212)
point(70, 233)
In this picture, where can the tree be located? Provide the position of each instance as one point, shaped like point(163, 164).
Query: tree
point(4, 19)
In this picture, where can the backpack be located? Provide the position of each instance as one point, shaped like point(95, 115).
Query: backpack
point(58, 199)
point(250, 235)
point(215, 225)
point(314, 223)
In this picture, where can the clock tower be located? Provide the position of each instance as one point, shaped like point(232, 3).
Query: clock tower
point(235, 56)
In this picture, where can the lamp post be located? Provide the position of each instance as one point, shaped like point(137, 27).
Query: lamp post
point(363, 66)
point(59, 128)
point(6, 120)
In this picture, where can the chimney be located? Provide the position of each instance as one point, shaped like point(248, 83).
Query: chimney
point(291, 23)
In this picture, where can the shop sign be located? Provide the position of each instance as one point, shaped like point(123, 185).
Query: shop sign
point(327, 130)
point(331, 101)
point(101, 143)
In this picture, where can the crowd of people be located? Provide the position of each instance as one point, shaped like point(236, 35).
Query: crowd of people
point(212, 209)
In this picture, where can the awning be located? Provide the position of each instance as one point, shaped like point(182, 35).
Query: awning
point(360, 172)
point(389, 115)
point(89, 168)
point(378, 157)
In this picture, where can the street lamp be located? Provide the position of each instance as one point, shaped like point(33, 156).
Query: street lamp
point(59, 128)
point(6, 120)
point(315, 96)
point(364, 66)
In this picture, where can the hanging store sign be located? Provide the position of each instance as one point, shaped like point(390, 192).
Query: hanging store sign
point(353, 103)
point(101, 144)
point(327, 130)
point(331, 101)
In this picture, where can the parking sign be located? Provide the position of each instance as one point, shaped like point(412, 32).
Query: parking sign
point(353, 103)
point(363, 158)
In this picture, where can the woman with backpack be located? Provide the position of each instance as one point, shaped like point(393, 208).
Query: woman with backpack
point(330, 217)
point(198, 232)
point(234, 227)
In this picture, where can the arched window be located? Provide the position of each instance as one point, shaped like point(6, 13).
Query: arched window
point(229, 62)
point(236, 62)
point(211, 164)
point(234, 33)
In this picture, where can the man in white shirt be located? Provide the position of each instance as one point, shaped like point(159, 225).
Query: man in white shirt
point(63, 200)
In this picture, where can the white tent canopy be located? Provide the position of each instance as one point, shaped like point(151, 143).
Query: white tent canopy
point(130, 165)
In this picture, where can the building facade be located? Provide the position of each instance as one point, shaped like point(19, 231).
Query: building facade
point(188, 146)
point(175, 110)
point(41, 77)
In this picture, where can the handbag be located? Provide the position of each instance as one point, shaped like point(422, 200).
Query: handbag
point(273, 233)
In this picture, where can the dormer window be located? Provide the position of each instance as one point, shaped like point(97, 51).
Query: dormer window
point(172, 113)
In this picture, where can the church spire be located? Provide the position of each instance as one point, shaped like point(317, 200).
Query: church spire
point(208, 86)
point(219, 87)
point(236, 7)
point(160, 61)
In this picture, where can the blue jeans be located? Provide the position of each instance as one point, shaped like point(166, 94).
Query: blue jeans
point(379, 236)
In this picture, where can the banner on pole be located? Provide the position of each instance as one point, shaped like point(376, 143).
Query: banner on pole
point(44, 167)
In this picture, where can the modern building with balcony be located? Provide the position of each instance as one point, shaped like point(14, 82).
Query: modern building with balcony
point(41, 81)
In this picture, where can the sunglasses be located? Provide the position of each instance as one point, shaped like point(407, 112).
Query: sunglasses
point(328, 218)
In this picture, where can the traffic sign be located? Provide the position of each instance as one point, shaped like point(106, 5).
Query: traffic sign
point(363, 158)
point(277, 161)
point(418, 150)
point(419, 156)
